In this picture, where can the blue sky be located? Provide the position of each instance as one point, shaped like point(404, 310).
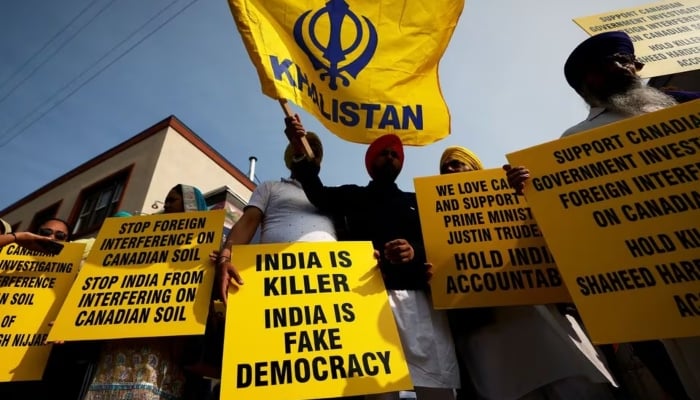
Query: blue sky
point(501, 77)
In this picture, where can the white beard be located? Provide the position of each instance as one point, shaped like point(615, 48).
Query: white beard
point(639, 100)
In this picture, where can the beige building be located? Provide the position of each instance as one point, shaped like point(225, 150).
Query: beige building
point(135, 176)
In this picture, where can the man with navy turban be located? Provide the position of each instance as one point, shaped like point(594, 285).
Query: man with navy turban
point(603, 71)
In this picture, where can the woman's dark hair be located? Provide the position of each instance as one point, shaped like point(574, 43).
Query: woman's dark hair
point(178, 189)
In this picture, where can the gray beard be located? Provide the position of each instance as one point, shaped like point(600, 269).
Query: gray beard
point(637, 100)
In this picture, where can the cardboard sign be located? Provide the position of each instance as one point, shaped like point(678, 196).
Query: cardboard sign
point(620, 209)
point(666, 34)
point(145, 276)
point(32, 288)
point(484, 244)
point(311, 321)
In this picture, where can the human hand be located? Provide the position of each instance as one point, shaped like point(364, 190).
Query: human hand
point(398, 251)
point(225, 271)
point(428, 271)
point(38, 243)
point(517, 177)
point(294, 131)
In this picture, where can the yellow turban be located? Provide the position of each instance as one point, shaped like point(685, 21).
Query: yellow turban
point(461, 154)
point(314, 143)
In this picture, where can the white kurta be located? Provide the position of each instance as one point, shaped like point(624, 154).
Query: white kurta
point(426, 340)
point(524, 348)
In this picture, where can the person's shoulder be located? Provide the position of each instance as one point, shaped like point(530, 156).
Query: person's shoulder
point(269, 184)
point(575, 129)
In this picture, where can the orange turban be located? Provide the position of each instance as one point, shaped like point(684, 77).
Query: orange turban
point(387, 141)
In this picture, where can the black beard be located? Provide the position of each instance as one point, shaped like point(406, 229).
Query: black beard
point(386, 173)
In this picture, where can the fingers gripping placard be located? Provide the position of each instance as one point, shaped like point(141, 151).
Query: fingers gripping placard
point(317, 324)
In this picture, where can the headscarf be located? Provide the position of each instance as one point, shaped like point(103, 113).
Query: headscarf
point(5, 226)
point(593, 49)
point(461, 154)
point(387, 141)
point(192, 198)
point(314, 143)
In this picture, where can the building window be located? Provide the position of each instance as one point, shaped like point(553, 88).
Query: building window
point(43, 215)
point(100, 201)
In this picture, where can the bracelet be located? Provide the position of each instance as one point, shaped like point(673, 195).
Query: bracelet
point(14, 236)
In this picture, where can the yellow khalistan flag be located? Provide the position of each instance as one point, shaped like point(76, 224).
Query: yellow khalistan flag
point(363, 68)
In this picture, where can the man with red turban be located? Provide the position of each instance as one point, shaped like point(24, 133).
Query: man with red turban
point(387, 216)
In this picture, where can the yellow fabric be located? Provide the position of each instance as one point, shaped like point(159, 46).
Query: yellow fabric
point(462, 154)
point(378, 75)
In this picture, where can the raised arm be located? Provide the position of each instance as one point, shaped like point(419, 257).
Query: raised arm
point(241, 233)
point(329, 200)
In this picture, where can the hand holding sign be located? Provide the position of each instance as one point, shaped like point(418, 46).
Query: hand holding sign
point(38, 243)
point(516, 177)
point(398, 251)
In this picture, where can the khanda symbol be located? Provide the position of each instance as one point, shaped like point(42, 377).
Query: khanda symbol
point(336, 56)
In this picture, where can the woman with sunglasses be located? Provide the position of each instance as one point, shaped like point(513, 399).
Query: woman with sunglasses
point(55, 229)
point(147, 368)
point(28, 240)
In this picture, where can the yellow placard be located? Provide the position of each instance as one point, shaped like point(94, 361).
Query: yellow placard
point(32, 288)
point(485, 247)
point(666, 34)
point(312, 321)
point(620, 208)
point(145, 276)
point(363, 68)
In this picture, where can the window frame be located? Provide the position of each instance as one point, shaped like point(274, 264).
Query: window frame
point(114, 183)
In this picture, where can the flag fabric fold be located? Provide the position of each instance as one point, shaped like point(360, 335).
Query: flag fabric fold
point(362, 68)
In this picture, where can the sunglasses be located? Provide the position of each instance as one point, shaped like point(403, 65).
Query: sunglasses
point(59, 235)
point(625, 59)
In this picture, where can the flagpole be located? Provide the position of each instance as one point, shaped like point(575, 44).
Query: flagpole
point(289, 113)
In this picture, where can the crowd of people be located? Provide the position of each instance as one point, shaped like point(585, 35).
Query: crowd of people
point(536, 352)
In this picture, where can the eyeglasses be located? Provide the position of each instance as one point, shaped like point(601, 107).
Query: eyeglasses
point(625, 59)
point(387, 152)
point(59, 235)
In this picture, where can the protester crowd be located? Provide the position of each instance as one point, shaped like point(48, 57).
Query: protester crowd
point(536, 352)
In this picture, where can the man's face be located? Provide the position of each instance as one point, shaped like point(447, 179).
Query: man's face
point(612, 75)
point(452, 166)
point(387, 165)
